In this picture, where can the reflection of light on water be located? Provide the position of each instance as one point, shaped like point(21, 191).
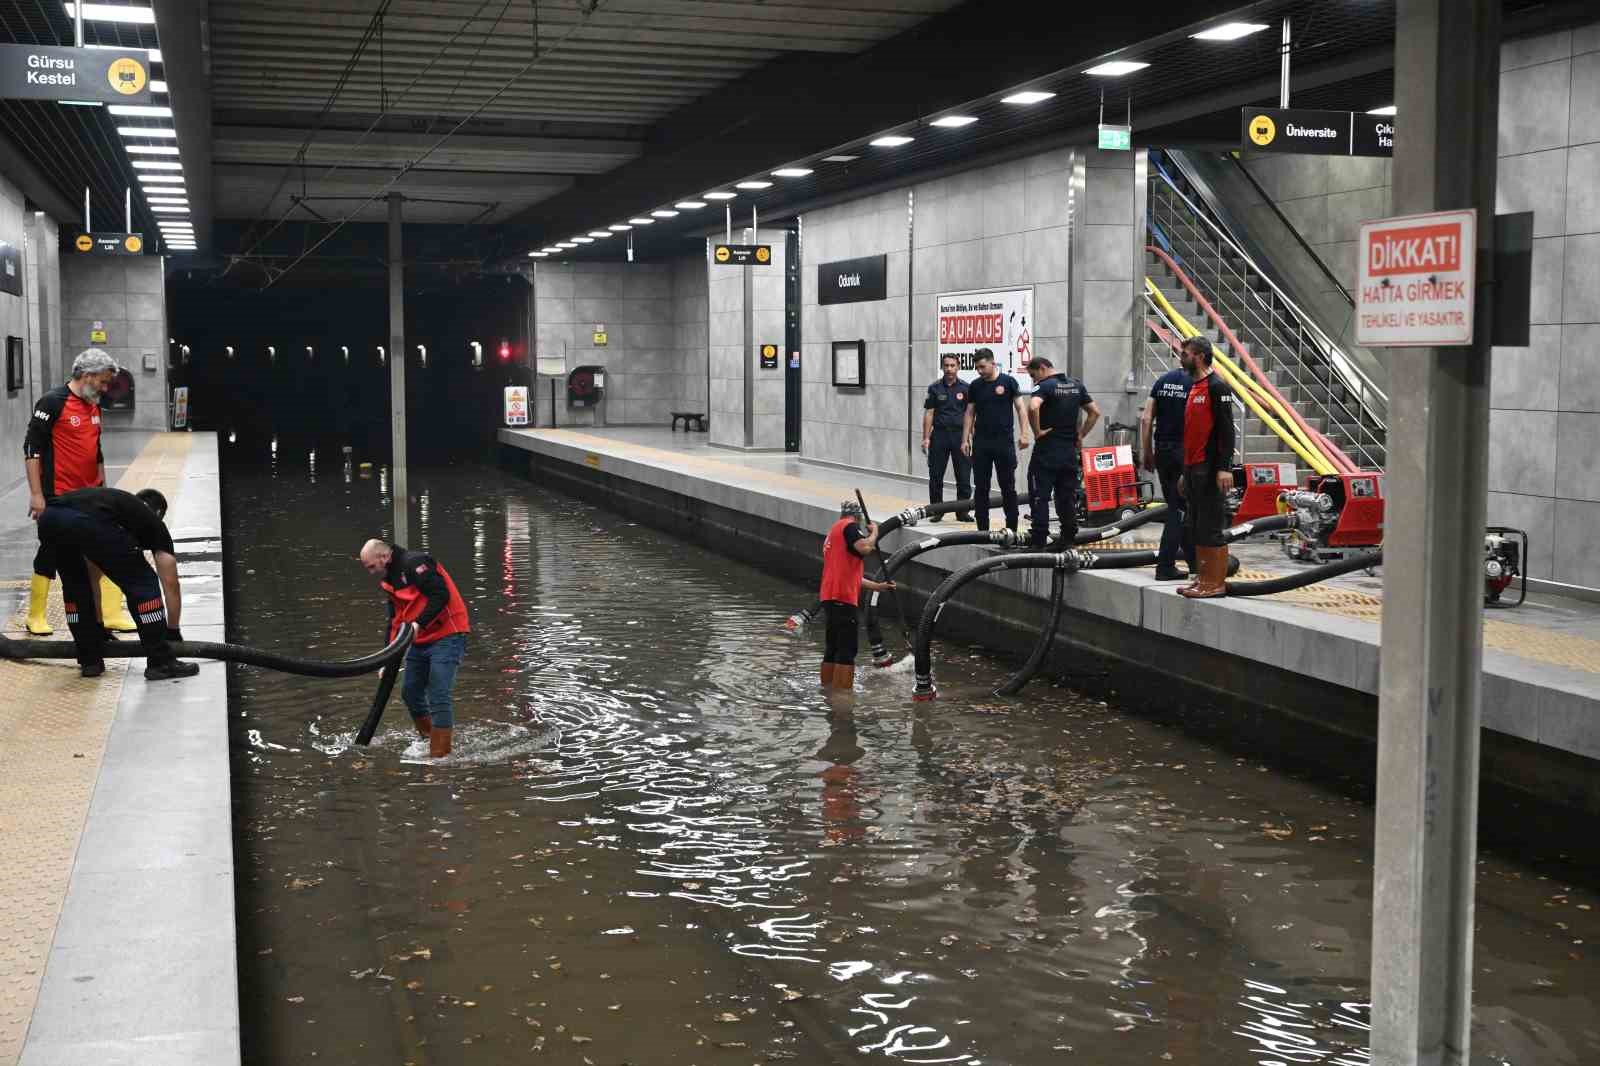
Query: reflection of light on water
point(1286, 1032)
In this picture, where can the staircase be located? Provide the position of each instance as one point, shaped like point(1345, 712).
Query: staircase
point(1306, 367)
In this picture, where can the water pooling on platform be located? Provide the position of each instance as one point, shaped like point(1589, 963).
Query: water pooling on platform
point(657, 842)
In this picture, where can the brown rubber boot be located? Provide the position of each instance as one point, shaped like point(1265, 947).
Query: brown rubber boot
point(1213, 575)
point(424, 724)
point(844, 676)
point(827, 675)
point(439, 742)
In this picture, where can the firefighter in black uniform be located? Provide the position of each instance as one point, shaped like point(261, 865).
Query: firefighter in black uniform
point(1062, 414)
point(113, 529)
point(942, 413)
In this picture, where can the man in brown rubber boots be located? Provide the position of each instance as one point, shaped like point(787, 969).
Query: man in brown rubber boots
point(1208, 438)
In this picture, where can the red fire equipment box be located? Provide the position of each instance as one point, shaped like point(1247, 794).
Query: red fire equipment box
point(1110, 480)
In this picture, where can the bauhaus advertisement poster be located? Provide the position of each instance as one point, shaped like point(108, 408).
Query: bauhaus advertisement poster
point(1000, 320)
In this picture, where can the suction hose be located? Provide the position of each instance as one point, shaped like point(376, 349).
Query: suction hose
point(1047, 636)
point(1309, 576)
point(388, 660)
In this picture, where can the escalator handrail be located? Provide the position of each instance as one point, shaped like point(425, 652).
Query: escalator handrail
point(1294, 231)
point(1342, 363)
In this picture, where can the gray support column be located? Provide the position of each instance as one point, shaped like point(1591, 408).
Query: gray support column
point(748, 356)
point(397, 376)
point(1446, 87)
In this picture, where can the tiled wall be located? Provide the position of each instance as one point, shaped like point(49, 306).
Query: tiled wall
point(690, 329)
point(14, 408)
point(128, 294)
point(735, 357)
point(44, 301)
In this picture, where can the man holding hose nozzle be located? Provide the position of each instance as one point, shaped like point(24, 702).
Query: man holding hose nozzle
point(421, 591)
point(844, 553)
point(1208, 438)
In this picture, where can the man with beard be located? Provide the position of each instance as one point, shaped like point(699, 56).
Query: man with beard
point(1208, 438)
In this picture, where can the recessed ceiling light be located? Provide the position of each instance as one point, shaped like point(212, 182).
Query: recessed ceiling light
point(166, 199)
point(139, 111)
point(1116, 68)
point(641, 221)
point(156, 164)
point(1028, 96)
point(565, 244)
point(143, 16)
point(953, 122)
point(618, 227)
point(81, 103)
point(550, 249)
point(150, 149)
point(161, 179)
point(664, 213)
point(599, 233)
point(1390, 110)
point(1230, 31)
point(158, 86)
point(155, 53)
point(721, 195)
point(538, 255)
point(689, 205)
point(754, 185)
point(583, 240)
point(168, 209)
point(893, 140)
point(791, 172)
point(840, 158)
point(145, 131)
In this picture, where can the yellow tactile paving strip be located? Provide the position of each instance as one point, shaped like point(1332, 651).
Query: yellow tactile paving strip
point(1527, 642)
point(53, 729)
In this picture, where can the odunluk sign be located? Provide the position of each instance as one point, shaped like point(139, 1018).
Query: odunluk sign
point(849, 281)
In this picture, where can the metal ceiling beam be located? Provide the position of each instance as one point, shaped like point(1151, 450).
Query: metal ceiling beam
point(186, 65)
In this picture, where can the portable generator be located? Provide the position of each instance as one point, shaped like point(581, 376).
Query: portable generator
point(1505, 558)
point(1111, 483)
point(1260, 487)
point(1340, 515)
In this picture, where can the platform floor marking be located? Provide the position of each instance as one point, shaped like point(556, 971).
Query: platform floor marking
point(53, 729)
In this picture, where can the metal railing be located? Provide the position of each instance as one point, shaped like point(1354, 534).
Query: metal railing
point(1281, 336)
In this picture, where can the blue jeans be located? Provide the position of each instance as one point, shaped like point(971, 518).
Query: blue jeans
point(430, 675)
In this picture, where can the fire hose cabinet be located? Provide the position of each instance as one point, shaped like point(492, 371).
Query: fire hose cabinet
point(586, 386)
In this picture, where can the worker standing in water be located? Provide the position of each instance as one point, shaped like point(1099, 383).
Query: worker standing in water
point(844, 554)
point(421, 591)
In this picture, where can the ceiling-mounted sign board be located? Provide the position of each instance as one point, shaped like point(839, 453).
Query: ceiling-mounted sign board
point(848, 281)
point(1115, 138)
point(1303, 131)
point(107, 243)
point(84, 75)
point(742, 254)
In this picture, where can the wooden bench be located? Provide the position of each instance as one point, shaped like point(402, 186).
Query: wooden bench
point(697, 417)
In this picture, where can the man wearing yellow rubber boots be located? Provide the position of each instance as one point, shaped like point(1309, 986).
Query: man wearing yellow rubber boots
point(61, 454)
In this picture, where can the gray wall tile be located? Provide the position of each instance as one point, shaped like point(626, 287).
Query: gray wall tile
point(1549, 267)
point(1533, 108)
point(1584, 122)
point(1580, 368)
point(1107, 253)
point(1580, 300)
point(1523, 459)
point(1583, 188)
point(1108, 198)
point(1536, 514)
point(1528, 378)
point(1107, 308)
point(1531, 51)
point(1586, 39)
point(1576, 561)
point(1578, 456)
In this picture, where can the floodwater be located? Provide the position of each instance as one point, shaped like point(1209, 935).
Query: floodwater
point(659, 843)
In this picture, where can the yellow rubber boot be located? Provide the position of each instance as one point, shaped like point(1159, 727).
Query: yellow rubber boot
point(38, 624)
point(114, 609)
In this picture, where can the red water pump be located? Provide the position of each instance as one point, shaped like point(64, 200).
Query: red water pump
point(1340, 515)
point(1505, 558)
point(1111, 483)
point(1261, 486)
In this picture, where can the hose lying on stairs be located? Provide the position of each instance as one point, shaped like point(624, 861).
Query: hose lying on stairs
point(388, 660)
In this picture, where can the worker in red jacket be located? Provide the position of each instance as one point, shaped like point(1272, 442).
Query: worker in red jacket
point(420, 591)
point(844, 552)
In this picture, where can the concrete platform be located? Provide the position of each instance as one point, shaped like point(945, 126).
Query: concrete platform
point(118, 940)
point(1312, 654)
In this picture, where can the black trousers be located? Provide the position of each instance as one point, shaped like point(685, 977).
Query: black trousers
point(1169, 468)
point(1207, 514)
point(1048, 475)
point(75, 537)
point(999, 459)
point(44, 561)
point(943, 449)
point(843, 634)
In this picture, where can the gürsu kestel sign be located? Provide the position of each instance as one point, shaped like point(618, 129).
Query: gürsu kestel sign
point(45, 72)
point(1415, 287)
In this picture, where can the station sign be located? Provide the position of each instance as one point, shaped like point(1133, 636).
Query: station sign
point(848, 281)
point(769, 357)
point(742, 254)
point(1416, 282)
point(90, 75)
point(1303, 131)
point(10, 268)
point(108, 243)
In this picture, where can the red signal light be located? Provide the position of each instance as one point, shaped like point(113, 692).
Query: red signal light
point(505, 351)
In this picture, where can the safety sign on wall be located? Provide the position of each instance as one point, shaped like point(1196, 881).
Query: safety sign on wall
point(1415, 286)
point(1001, 321)
point(516, 405)
point(769, 357)
point(180, 407)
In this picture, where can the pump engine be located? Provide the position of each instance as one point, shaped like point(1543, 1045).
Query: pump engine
point(1340, 515)
point(1505, 554)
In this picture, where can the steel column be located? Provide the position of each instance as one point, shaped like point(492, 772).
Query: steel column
point(397, 375)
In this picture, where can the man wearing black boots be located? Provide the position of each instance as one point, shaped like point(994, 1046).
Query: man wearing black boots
point(1062, 413)
point(113, 529)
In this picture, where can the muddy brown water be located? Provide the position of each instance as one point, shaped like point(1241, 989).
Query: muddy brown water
point(659, 843)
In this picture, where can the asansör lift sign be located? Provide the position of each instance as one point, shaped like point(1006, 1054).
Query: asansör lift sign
point(1416, 282)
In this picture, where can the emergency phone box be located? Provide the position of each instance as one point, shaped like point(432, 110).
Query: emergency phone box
point(1262, 483)
point(1110, 480)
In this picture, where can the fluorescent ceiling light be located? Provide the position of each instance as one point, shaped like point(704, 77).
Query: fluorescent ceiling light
point(565, 244)
point(1028, 96)
point(689, 205)
point(721, 195)
point(156, 164)
point(158, 86)
point(161, 179)
point(143, 16)
point(150, 149)
point(583, 240)
point(617, 227)
point(538, 255)
point(1116, 68)
point(599, 233)
point(550, 249)
point(155, 53)
point(840, 158)
point(664, 213)
point(754, 185)
point(145, 131)
point(140, 111)
point(81, 103)
point(791, 172)
point(167, 209)
point(166, 199)
point(953, 122)
point(893, 140)
point(1382, 110)
point(642, 221)
point(1230, 31)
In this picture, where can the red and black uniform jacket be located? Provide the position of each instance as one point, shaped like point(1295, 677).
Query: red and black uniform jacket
point(1208, 424)
point(841, 565)
point(421, 591)
point(64, 435)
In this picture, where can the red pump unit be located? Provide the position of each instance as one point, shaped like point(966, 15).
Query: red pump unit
point(1111, 481)
point(1262, 484)
point(1340, 514)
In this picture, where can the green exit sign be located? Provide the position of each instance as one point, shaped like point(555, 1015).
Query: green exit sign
point(1116, 138)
